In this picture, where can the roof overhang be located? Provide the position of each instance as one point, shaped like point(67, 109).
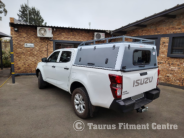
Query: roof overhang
point(170, 13)
point(60, 27)
point(3, 35)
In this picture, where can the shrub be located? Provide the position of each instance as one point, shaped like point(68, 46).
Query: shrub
point(6, 63)
point(6, 59)
point(6, 55)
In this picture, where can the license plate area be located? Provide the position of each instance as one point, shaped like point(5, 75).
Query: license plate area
point(137, 96)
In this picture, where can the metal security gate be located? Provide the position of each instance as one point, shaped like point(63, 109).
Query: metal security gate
point(11, 52)
point(4, 53)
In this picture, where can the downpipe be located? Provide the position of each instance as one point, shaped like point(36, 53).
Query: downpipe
point(142, 109)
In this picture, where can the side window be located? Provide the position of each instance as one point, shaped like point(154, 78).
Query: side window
point(65, 56)
point(53, 57)
point(176, 46)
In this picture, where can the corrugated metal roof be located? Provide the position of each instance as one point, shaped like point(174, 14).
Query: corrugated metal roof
point(19, 22)
point(3, 35)
point(150, 19)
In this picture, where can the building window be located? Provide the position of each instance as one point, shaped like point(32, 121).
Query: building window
point(62, 45)
point(59, 44)
point(176, 46)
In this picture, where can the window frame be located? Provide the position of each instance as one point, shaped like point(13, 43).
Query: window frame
point(63, 45)
point(64, 41)
point(169, 54)
point(141, 64)
point(51, 55)
point(61, 55)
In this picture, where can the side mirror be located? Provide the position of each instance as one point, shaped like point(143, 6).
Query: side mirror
point(44, 59)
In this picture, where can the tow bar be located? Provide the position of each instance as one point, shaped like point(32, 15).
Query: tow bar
point(142, 109)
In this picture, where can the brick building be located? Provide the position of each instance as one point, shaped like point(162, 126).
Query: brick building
point(26, 59)
point(166, 28)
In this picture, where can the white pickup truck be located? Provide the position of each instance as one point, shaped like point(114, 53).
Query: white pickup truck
point(122, 76)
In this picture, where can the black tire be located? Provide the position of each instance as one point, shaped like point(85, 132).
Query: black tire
point(84, 94)
point(41, 83)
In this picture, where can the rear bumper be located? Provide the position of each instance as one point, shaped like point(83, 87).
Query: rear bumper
point(128, 104)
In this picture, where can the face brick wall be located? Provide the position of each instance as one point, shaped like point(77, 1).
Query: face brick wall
point(171, 69)
point(26, 59)
point(167, 26)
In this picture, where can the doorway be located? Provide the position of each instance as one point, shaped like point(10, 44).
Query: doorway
point(59, 44)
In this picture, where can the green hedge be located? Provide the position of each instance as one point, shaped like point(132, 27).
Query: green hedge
point(6, 63)
point(6, 59)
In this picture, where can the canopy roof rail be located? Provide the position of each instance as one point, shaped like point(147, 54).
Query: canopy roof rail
point(122, 39)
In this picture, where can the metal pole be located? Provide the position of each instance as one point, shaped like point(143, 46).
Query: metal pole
point(28, 11)
point(1, 55)
point(47, 49)
point(12, 60)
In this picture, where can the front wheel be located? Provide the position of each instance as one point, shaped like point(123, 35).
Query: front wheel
point(80, 102)
point(41, 83)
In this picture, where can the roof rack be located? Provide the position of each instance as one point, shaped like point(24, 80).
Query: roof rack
point(134, 40)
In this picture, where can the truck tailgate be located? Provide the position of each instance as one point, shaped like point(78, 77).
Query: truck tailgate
point(137, 82)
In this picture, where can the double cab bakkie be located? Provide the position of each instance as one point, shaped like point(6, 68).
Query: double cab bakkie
point(122, 75)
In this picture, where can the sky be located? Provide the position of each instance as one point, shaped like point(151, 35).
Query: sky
point(103, 14)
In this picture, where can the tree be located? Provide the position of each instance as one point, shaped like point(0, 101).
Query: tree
point(2, 9)
point(35, 17)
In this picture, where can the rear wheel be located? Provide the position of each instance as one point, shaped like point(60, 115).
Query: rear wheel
point(80, 102)
point(41, 83)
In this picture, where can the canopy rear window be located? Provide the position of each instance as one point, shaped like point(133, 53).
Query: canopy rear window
point(141, 57)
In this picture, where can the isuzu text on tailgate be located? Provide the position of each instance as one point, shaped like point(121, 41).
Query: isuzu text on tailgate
point(122, 76)
point(142, 81)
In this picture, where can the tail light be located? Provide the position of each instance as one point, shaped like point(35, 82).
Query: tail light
point(116, 85)
point(158, 77)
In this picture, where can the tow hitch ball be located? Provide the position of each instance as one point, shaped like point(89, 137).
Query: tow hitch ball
point(142, 109)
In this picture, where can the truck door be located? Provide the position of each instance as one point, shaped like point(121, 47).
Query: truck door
point(49, 67)
point(63, 69)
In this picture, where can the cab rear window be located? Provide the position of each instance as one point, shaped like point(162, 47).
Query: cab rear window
point(141, 57)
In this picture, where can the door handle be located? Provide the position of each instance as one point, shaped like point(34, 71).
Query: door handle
point(53, 66)
point(66, 68)
point(144, 73)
